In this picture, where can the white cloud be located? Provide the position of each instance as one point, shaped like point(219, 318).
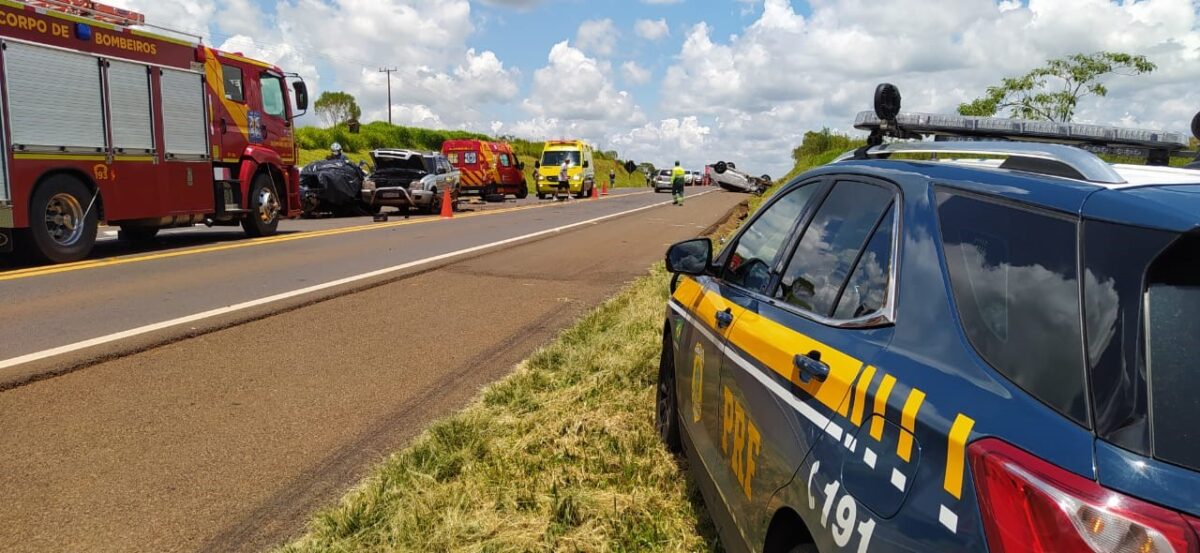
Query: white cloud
point(574, 86)
point(651, 29)
point(661, 143)
point(787, 73)
point(634, 73)
point(597, 36)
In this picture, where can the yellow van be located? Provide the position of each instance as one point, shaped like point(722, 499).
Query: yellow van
point(581, 170)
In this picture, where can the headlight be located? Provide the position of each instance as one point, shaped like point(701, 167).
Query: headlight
point(577, 177)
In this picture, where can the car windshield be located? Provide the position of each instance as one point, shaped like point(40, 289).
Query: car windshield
point(557, 157)
point(664, 173)
point(1172, 303)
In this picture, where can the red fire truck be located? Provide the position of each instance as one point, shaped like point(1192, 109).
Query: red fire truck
point(102, 121)
point(487, 168)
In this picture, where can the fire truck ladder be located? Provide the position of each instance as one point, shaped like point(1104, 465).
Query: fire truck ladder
point(103, 13)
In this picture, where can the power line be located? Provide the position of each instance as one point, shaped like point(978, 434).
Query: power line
point(389, 86)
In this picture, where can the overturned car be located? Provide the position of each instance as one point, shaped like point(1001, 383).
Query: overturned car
point(332, 186)
point(406, 178)
point(728, 177)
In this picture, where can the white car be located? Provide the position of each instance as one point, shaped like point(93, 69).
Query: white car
point(728, 177)
point(662, 180)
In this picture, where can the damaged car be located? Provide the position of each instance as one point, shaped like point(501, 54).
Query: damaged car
point(333, 186)
point(407, 179)
point(728, 177)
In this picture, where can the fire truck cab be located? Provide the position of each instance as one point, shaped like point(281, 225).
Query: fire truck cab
point(101, 121)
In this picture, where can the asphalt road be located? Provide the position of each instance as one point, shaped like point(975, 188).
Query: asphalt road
point(224, 433)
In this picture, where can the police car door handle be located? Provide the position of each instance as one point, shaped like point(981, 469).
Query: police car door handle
point(810, 366)
point(724, 318)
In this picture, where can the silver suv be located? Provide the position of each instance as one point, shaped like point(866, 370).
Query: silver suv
point(408, 178)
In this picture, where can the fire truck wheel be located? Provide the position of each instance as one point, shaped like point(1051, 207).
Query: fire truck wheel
point(62, 227)
point(523, 191)
point(263, 218)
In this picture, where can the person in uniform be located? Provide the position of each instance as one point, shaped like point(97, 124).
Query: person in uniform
point(677, 177)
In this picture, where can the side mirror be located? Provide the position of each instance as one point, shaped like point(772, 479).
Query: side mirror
point(301, 90)
point(690, 257)
point(521, 165)
point(586, 163)
point(537, 165)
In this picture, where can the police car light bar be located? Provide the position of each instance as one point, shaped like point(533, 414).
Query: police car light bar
point(999, 128)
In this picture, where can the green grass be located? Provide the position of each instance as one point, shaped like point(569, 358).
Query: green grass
point(561, 455)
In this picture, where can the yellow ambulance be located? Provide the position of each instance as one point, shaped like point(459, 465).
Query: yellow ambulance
point(580, 172)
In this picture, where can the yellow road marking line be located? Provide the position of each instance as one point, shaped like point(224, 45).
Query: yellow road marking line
point(881, 398)
point(99, 263)
point(860, 395)
point(908, 419)
point(956, 453)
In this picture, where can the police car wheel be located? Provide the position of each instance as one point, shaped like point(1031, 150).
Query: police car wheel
point(666, 408)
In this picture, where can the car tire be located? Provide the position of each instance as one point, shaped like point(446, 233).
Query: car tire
point(263, 219)
point(137, 234)
point(68, 230)
point(435, 204)
point(523, 191)
point(541, 196)
point(666, 404)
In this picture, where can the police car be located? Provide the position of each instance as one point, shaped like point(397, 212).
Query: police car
point(949, 353)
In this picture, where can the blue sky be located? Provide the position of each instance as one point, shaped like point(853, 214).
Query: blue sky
point(696, 80)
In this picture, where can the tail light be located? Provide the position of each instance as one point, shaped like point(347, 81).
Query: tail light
point(1031, 505)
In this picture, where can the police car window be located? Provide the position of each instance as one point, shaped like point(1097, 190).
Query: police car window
point(1014, 277)
point(749, 266)
point(867, 290)
point(272, 95)
point(830, 246)
point(1172, 328)
point(232, 77)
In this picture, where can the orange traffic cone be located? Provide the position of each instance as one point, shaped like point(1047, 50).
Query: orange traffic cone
point(447, 204)
point(595, 193)
point(603, 188)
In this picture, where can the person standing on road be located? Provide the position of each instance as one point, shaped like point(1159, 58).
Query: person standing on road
point(677, 177)
point(612, 178)
point(564, 177)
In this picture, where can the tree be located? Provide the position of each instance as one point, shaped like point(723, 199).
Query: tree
point(820, 142)
point(336, 108)
point(1053, 91)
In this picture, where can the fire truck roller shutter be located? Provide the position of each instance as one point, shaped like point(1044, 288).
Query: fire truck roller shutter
point(53, 99)
point(129, 105)
point(184, 133)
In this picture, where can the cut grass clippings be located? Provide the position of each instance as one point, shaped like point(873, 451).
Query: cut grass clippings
point(561, 455)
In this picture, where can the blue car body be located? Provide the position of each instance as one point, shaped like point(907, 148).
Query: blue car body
point(877, 455)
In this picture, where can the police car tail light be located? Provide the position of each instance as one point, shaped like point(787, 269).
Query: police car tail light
point(1029, 504)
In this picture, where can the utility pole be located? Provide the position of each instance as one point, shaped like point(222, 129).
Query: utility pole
point(389, 81)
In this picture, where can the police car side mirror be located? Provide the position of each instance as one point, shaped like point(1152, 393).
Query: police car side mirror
point(690, 257)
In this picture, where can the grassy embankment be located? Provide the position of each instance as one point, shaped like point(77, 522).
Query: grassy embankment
point(314, 145)
point(560, 455)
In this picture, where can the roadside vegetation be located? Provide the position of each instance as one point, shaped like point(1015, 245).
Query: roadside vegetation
point(560, 455)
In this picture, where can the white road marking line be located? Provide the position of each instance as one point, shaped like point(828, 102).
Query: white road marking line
point(948, 519)
point(821, 421)
point(117, 336)
point(849, 440)
point(898, 479)
point(869, 457)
